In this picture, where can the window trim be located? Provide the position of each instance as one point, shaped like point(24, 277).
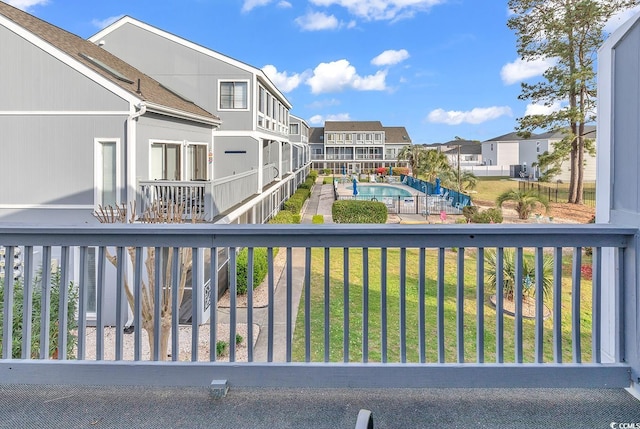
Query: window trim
point(98, 169)
point(187, 161)
point(172, 142)
point(247, 101)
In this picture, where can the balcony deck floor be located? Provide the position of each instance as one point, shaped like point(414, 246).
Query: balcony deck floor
point(23, 406)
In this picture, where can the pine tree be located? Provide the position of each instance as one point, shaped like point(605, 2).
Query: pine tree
point(568, 32)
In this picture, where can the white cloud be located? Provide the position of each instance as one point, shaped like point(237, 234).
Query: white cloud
point(339, 75)
point(319, 119)
point(316, 120)
point(390, 57)
point(541, 109)
point(315, 21)
point(376, 10)
point(520, 70)
point(26, 4)
point(477, 115)
point(284, 81)
point(620, 18)
point(284, 4)
point(249, 5)
point(102, 23)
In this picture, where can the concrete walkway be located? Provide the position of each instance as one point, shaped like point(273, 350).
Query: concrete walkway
point(319, 202)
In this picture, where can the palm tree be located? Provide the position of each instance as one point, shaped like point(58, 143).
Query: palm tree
point(413, 155)
point(525, 201)
point(467, 180)
point(435, 164)
point(528, 274)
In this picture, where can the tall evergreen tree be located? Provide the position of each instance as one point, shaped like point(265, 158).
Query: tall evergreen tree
point(568, 32)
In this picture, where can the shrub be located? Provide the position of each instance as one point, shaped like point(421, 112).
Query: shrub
point(283, 217)
point(54, 309)
point(239, 338)
point(293, 204)
point(397, 171)
point(221, 347)
point(469, 212)
point(313, 174)
point(317, 219)
point(358, 211)
point(301, 193)
point(307, 184)
point(260, 267)
point(492, 215)
point(326, 171)
point(296, 218)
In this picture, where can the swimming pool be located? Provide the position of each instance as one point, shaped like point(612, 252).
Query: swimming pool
point(380, 191)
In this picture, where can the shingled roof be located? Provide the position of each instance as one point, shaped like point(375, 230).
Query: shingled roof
point(316, 134)
point(396, 135)
point(330, 126)
point(105, 64)
point(392, 134)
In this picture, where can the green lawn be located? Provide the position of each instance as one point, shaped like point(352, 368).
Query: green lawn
point(336, 308)
point(488, 188)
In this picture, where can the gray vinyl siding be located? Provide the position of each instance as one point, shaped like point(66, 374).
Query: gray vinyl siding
point(228, 158)
point(192, 74)
point(32, 79)
point(152, 127)
point(50, 159)
point(626, 132)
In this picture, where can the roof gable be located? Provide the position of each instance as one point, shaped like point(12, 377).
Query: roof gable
point(396, 135)
point(196, 47)
point(100, 65)
point(513, 136)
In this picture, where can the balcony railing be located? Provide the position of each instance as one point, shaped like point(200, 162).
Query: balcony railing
point(190, 198)
point(199, 200)
point(360, 306)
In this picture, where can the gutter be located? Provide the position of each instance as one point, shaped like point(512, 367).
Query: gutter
point(163, 110)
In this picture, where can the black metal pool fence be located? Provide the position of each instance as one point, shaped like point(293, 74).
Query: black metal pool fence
point(559, 193)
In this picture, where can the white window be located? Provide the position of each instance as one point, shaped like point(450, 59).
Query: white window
point(107, 172)
point(166, 161)
point(196, 161)
point(261, 100)
point(294, 129)
point(537, 147)
point(233, 95)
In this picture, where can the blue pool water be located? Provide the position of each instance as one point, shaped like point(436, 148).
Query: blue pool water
point(380, 191)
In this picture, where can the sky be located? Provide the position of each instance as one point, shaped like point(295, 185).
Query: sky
point(441, 68)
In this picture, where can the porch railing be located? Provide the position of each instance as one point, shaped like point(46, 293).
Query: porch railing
point(359, 306)
point(164, 195)
point(199, 200)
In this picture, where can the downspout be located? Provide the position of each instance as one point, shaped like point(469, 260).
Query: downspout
point(130, 162)
point(130, 157)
